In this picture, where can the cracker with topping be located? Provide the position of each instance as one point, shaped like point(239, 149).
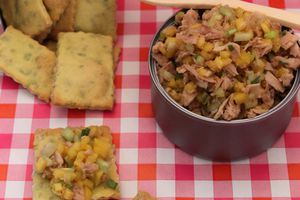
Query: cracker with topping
point(55, 9)
point(75, 163)
point(27, 62)
point(96, 17)
point(66, 21)
point(84, 71)
point(141, 195)
point(29, 16)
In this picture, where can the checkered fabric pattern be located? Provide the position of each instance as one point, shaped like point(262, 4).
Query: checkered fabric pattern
point(146, 159)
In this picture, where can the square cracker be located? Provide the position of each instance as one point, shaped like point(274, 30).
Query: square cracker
point(66, 21)
point(56, 8)
point(96, 16)
point(29, 16)
point(84, 71)
point(41, 187)
point(27, 62)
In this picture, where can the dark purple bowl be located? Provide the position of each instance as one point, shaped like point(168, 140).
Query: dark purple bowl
point(218, 140)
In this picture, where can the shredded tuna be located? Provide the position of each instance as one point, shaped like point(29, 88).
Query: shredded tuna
point(286, 79)
point(226, 83)
point(274, 82)
point(269, 67)
point(232, 110)
point(295, 50)
point(156, 47)
point(190, 18)
point(268, 97)
point(253, 112)
point(255, 89)
point(89, 169)
point(231, 69)
point(192, 70)
point(187, 98)
point(260, 46)
point(288, 40)
point(220, 111)
point(78, 193)
point(160, 59)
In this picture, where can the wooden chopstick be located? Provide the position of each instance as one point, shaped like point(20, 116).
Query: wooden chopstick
point(288, 19)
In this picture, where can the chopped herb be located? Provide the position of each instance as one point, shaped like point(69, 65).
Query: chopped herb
point(230, 47)
point(85, 132)
point(178, 76)
point(111, 184)
point(256, 80)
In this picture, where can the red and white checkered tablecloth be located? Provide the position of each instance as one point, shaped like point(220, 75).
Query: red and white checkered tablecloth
point(146, 159)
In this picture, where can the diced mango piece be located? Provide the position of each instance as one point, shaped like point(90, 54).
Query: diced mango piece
point(87, 193)
point(208, 47)
point(171, 46)
point(200, 42)
point(57, 188)
point(97, 178)
point(240, 24)
point(188, 60)
point(265, 26)
point(204, 72)
point(92, 158)
point(88, 183)
point(61, 148)
point(244, 60)
point(170, 31)
point(73, 150)
point(68, 194)
point(190, 87)
point(101, 147)
point(225, 54)
point(41, 165)
point(240, 97)
point(238, 86)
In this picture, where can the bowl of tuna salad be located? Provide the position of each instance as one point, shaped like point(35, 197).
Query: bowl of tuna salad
point(224, 81)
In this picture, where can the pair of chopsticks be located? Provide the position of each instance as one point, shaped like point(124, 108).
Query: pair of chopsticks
point(288, 19)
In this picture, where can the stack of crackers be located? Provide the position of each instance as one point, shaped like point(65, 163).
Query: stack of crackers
point(61, 50)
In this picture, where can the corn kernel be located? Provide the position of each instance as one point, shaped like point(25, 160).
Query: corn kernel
point(225, 54)
point(240, 24)
point(208, 47)
point(200, 42)
point(41, 165)
point(87, 193)
point(101, 147)
point(68, 194)
point(240, 97)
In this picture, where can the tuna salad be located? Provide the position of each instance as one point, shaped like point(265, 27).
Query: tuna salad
point(226, 63)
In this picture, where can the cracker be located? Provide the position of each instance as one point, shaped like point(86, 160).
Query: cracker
point(66, 22)
point(84, 72)
point(96, 17)
point(29, 16)
point(56, 8)
point(141, 195)
point(45, 139)
point(51, 45)
point(27, 62)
